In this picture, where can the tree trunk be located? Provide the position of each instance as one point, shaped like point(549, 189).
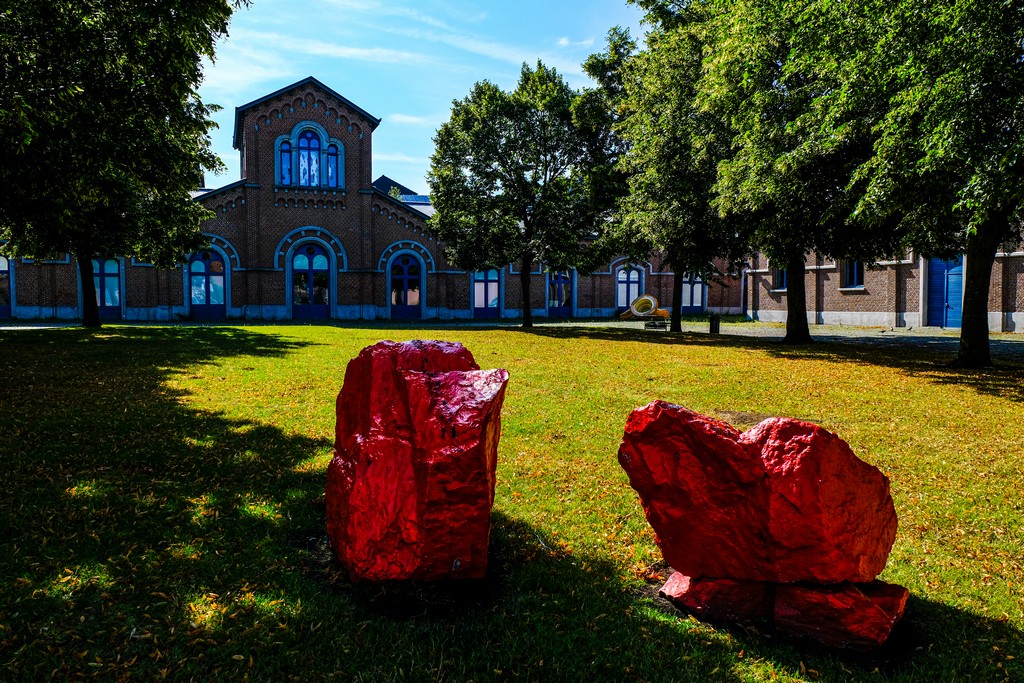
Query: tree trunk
point(524, 284)
point(676, 324)
point(90, 311)
point(981, 255)
point(797, 331)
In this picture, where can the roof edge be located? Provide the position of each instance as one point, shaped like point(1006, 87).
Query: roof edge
point(374, 121)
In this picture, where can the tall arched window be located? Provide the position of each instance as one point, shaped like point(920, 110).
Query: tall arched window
point(309, 159)
point(486, 292)
point(332, 166)
point(286, 163)
point(406, 286)
point(5, 287)
point(311, 282)
point(206, 282)
point(106, 276)
point(627, 287)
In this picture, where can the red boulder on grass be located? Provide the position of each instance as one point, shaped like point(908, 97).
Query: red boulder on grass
point(784, 501)
point(744, 516)
point(411, 485)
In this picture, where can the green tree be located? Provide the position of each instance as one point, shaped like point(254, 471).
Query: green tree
point(511, 179)
point(672, 158)
point(789, 176)
point(946, 83)
point(104, 132)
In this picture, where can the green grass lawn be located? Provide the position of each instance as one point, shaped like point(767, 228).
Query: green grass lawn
point(162, 511)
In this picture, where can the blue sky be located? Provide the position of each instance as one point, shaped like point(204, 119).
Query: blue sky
point(401, 61)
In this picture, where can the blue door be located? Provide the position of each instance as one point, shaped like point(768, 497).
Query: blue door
point(486, 292)
point(945, 292)
point(311, 283)
point(5, 287)
point(206, 283)
point(406, 288)
point(106, 276)
point(559, 294)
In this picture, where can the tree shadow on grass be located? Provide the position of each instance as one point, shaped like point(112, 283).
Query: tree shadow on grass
point(546, 614)
point(145, 538)
point(917, 357)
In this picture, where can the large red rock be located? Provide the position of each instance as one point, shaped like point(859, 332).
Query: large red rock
point(853, 616)
point(719, 599)
point(411, 485)
point(785, 501)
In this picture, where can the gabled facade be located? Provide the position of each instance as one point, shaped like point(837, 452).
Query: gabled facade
point(307, 234)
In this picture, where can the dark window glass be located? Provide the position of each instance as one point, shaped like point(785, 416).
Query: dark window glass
point(332, 166)
point(286, 163)
point(853, 274)
point(779, 278)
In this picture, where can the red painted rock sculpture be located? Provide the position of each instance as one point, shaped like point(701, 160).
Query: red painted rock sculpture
point(411, 485)
point(744, 516)
point(720, 599)
point(855, 616)
point(785, 501)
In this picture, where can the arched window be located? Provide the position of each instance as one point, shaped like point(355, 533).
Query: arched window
point(207, 285)
point(485, 293)
point(311, 282)
point(106, 277)
point(627, 287)
point(332, 166)
point(286, 163)
point(5, 287)
point(309, 159)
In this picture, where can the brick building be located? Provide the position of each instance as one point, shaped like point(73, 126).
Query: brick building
point(912, 292)
point(306, 235)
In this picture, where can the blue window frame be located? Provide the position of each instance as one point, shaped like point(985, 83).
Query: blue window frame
point(286, 163)
point(311, 282)
point(309, 159)
point(5, 287)
point(406, 287)
point(853, 275)
point(207, 281)
point(106, 277)
point(332, 166)
point(627, 287)
point(779, 279)
point(486, 293)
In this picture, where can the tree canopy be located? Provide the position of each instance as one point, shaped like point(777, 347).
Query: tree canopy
point(945, 85)
point(512, 180)
point(672, 159)
point(104, 132)
point(859, 130)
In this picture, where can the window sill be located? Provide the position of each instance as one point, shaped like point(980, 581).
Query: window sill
point(298, 189)
point(853, 290)
point(777, 291)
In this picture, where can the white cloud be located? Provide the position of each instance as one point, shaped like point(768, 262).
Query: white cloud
point(406, 119)
point(399, 158)
point(292, 45)
point(565, 42)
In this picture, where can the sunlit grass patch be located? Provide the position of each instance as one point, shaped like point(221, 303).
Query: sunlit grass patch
point(164, 509)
